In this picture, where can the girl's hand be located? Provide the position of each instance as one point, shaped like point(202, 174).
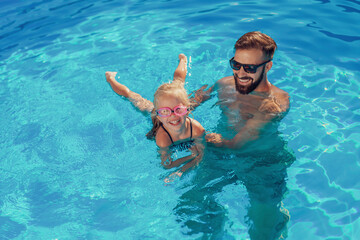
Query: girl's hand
point(166, 161)
point(172, 177)
point(269, 106)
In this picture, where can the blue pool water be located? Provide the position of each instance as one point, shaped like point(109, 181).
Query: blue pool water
point(74, 160)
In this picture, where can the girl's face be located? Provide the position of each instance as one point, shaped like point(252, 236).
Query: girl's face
point(173, 122)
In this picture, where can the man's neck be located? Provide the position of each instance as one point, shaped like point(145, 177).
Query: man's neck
point(264, 86)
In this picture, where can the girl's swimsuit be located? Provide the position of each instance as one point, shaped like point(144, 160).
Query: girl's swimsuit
point(181, 149)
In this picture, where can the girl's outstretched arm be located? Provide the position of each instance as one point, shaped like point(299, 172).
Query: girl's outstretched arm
point(137, 100)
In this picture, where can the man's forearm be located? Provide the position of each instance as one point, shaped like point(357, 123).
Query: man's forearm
point(201, 96)
point(240, 139)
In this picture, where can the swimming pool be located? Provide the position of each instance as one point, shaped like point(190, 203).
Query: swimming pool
point(75, 163)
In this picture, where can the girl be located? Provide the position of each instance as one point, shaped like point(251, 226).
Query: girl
point(179, 138)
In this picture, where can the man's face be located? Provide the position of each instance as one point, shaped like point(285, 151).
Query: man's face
point(245, 82)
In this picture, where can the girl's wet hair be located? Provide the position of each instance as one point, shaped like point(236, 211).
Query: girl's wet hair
point(176, 89)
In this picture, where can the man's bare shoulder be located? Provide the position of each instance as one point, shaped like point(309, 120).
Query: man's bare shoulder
point(282, 97)
point(279, 91)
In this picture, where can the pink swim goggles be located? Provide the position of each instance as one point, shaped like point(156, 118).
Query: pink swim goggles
point(179, 110)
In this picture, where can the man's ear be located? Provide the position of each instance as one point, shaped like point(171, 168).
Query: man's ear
point(269, 66)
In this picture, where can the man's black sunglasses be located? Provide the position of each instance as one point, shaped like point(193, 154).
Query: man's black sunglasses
point(249, 68)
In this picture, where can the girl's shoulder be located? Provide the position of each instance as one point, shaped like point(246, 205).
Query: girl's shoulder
point(162, 138)
point(198, 129)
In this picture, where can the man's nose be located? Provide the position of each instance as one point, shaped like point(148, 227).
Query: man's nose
point(241, 71)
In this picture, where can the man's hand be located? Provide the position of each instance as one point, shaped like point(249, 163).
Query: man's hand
point(214, 138)
point(200, 95)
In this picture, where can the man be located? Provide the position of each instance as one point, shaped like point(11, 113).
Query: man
point(256, 156)
point(248, 100)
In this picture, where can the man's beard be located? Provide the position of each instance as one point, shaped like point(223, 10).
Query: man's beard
point(248, 89)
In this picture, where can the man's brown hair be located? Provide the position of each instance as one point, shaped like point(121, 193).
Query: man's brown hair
point(257, 40)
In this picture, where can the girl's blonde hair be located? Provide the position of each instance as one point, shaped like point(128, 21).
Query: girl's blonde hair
point(175, 89)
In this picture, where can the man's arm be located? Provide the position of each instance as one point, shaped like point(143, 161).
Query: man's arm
point(269, 110)
point(201, 95)
point(248, 133)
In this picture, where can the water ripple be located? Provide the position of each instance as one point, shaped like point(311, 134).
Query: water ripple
point(341, 37)
point(73, 152)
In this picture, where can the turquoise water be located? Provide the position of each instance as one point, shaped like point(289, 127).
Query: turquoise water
point(75, 163)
